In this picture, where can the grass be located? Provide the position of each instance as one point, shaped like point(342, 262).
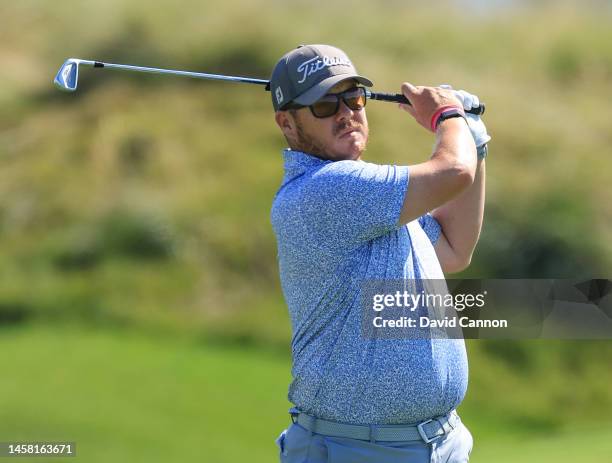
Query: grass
point(590, 444)
point(127, 396)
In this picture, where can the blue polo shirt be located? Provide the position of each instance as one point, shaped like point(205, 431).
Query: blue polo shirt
point(336, 225)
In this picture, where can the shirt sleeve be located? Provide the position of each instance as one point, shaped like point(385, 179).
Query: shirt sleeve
point(346, 203)
point(431, 227)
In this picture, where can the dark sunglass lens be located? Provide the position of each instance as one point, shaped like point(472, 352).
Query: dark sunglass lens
point(324, 108)
point(355, 99)
point(327, 106)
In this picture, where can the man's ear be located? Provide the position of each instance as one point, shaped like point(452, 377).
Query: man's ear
point(285, 122)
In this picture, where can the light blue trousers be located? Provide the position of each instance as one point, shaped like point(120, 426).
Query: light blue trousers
point(298, 445)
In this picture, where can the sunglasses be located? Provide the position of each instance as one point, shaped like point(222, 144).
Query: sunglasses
point(328, 105)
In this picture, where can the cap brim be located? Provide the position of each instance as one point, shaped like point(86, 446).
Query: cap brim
point(316, 92)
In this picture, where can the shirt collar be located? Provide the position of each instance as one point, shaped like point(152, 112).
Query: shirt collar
point(298, 162)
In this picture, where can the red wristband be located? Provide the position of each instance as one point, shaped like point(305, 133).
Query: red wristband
point(438, 114)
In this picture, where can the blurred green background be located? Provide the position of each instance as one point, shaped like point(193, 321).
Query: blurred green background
point(140, 308)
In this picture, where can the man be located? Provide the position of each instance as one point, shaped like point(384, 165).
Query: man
point(340, 221)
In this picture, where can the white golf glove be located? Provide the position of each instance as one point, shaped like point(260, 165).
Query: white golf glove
point(477, 127)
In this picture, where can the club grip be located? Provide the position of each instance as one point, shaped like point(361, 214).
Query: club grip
point(399, 98)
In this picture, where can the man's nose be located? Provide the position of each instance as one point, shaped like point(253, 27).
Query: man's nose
point(344, 112)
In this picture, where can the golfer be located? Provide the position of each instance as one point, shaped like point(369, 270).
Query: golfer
point(339, 221)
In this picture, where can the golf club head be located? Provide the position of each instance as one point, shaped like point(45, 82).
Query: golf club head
point(68, 75)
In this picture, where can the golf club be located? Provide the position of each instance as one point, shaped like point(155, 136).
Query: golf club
point(68, 76)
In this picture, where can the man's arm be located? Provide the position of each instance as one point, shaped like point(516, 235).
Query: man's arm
point(461, 218)
point(451, 169)
point(460, 214)
point(461, 222)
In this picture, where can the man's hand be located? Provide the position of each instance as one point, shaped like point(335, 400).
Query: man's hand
point(427, 101)
point(477, 127)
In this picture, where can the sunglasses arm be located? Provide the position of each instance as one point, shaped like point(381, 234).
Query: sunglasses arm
point(398, 98)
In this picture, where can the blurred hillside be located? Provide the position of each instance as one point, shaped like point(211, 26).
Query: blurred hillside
point(143, 201)
point(140, 196)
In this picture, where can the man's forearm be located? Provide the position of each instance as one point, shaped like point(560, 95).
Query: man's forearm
point(448, 173)
point(461, 217)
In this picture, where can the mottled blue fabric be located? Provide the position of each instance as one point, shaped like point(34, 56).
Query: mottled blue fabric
point(336, 225)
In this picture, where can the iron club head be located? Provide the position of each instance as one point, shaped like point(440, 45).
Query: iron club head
point(68, 75)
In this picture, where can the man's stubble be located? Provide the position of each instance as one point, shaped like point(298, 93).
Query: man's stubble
point(309, 145)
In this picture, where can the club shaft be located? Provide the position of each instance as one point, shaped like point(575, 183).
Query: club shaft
point(397, 97)
point(196, 75)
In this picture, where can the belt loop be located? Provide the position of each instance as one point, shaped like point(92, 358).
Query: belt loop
point(294, 412)
point(450, 419)
point(373, 433)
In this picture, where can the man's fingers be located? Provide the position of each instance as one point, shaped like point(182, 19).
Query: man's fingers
point(407, 108)
point(469, 100)
point(409, 89)
point(465, 98)
point(475, 101)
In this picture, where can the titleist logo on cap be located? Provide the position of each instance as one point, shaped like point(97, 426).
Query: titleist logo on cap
point(317, 63)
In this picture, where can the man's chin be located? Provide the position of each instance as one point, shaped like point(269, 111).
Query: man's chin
point(342, 150)
point(353, 150)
